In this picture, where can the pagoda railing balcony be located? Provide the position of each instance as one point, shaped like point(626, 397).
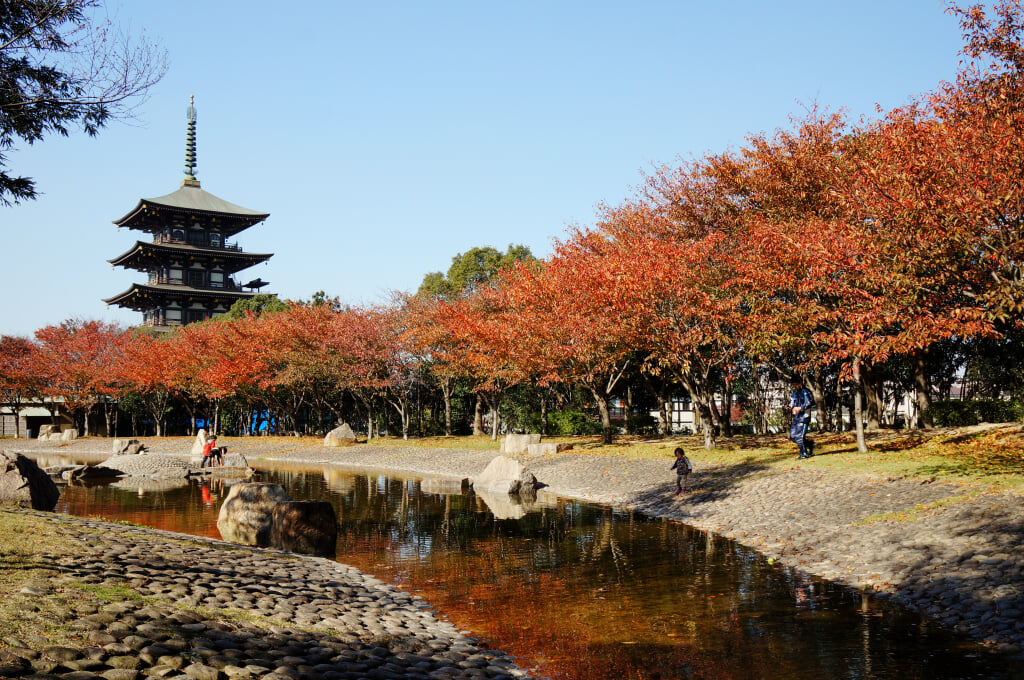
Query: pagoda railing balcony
point(230, 284)
point(199, 243)
point(160, 324)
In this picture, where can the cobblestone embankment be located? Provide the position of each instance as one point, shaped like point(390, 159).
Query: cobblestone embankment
point(207, 610)
point(954, 554)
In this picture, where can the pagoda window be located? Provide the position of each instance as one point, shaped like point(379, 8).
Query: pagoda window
point(215, 239)
point(178, 235)
point(175, 275)
point(197, 315)
point(216, 279)
point(173, 317)
point(196, 278)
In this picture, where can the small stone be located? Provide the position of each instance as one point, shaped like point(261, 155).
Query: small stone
point(62, 653)
point(175, 661)
point(80, 675)
point(198, 671)
point(130, 662)
point(120, 674)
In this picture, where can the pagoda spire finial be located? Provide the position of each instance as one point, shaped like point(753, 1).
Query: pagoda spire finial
point(190, 145)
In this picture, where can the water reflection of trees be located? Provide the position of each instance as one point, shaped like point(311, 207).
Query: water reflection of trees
point(585, 590)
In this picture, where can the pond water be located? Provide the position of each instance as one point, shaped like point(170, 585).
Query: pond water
point(578, 590)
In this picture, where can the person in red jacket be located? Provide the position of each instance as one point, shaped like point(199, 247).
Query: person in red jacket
point(211, 452)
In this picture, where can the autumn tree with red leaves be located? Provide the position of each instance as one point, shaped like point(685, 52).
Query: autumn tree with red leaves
point(560, 322)
point(149, 366)
point(19, 380)
point(81, 361)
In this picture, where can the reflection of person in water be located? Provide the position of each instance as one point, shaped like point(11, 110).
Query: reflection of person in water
point(207, 496)
point(803, 592)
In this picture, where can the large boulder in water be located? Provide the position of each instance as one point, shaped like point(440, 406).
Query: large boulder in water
point(160, 466)
point(24, 484)
point(247, 514)
point(309, 527)
point(507, 475)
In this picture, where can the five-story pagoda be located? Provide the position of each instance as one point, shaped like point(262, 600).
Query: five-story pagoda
point(190, 262)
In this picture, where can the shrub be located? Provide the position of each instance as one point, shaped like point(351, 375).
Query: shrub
point(565, 423)
point(646, 424)
point(998, 410)
point(963, 412)
point(531, 422)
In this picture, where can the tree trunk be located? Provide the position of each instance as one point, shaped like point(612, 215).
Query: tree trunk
point(703, 398)
point(665, 409)
point(760, 402)
point(106, 417)
point(495, 404)
point(630, 428)
point(601, 401)
point(818, 392)
point(707, 425)
point(446, 394)
point(404, 417)
point(924, 392)
point(419, 411)
point(543, 413)
point(840, 422)
point(858, 407)
point(660, 388)
point(478, 415)
point(726, 415)
point(871, 384)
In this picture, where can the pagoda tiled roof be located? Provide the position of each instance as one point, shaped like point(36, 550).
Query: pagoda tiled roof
point(137, 296)
point(193, 199)
point(235, 260)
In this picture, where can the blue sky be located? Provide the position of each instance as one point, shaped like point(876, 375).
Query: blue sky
point(385, 137)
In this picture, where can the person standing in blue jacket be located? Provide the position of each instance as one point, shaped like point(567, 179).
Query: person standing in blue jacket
point(801, 402)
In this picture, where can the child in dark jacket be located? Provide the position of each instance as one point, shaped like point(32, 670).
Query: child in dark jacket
point(683, 469)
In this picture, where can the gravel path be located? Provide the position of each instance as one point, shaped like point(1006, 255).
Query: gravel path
point(953, 554)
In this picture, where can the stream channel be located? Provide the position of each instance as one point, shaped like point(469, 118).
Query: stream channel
point(579, 590)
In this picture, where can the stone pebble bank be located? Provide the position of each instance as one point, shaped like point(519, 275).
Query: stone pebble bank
point(952, 553)
point(208, 610)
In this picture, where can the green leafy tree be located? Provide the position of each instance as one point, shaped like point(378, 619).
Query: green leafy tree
point(259, 304)
point(62, 66)
point(472, 269)
point(469, 270)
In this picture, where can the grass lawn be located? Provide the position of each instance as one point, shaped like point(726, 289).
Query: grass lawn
point(26, 549)
point(987, 455)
